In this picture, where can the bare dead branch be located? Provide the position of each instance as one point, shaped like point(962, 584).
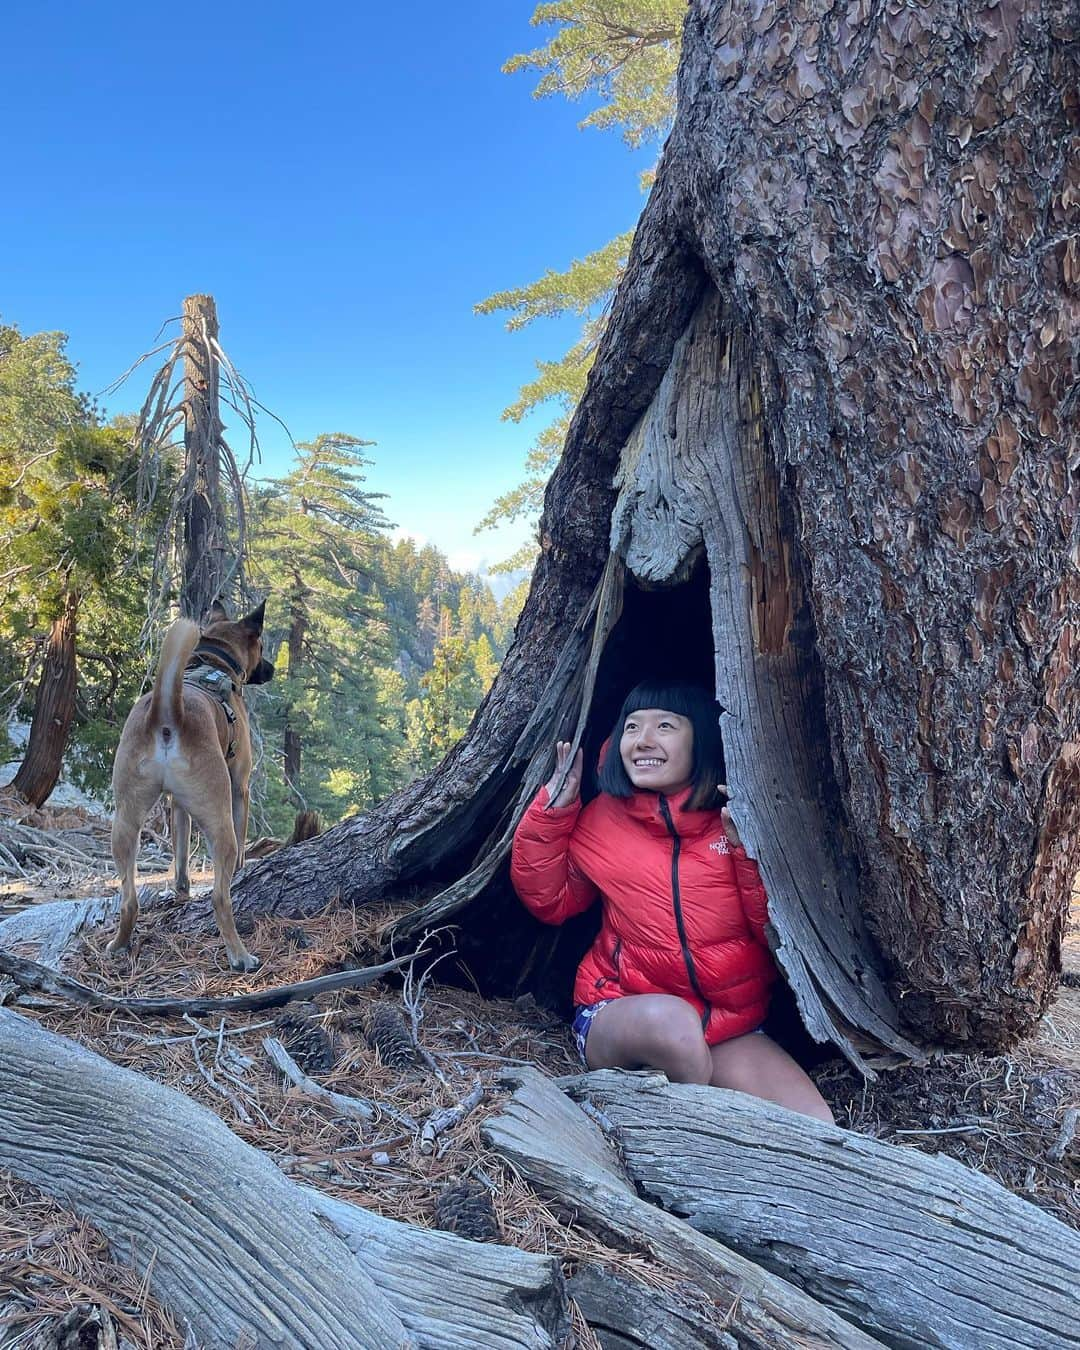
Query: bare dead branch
point(29, 975)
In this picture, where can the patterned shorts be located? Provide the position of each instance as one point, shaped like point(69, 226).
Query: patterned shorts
point(583, 1016)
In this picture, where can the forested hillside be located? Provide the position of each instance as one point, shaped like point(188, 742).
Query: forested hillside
point(382, 650)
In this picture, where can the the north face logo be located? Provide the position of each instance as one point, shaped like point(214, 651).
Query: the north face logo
point(720, 845)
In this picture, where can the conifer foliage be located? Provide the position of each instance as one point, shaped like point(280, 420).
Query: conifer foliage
point(73, 577)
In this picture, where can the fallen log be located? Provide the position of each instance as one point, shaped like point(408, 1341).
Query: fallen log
point(231, 1244)
point(560, 1152)
point(919, 1250)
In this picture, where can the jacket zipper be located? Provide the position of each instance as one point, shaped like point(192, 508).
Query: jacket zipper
point(676, 901)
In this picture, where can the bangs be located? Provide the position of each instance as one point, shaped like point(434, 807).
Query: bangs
point(688, 700)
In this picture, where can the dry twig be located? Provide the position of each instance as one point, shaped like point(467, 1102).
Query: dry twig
point(441, 1121)
point(348, 1106)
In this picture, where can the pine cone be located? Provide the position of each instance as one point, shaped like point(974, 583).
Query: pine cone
point(465, 1208)
point(387, 1033)
point(305, 1038)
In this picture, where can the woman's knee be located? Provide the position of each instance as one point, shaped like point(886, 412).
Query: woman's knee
point(673, 1040)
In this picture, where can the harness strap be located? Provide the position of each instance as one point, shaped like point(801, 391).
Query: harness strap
point(208, 680)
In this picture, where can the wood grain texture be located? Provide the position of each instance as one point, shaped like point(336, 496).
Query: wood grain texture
point(918, 1250)
point(452, 1293)
point(560, 1152)
point(626, 1315)
point(232, 1245)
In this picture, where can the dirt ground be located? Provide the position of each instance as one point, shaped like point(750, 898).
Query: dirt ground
point(1002, 1114)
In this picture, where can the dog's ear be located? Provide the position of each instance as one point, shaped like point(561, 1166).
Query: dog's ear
point(253, 622)
point(217, 613)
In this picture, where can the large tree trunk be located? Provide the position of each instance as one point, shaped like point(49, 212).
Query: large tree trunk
point(827, 454)
point(54, 709)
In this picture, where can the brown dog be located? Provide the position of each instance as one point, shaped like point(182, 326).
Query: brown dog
point(189, 738)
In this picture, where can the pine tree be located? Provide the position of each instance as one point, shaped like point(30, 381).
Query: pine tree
point(71, 568)
point(316, 531)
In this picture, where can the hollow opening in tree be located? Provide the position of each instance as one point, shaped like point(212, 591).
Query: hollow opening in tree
point(663, 633)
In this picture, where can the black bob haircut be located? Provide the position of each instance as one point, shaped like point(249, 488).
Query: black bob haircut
point(703, 713)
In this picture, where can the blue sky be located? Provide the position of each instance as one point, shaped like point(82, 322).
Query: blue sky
point(347, 181)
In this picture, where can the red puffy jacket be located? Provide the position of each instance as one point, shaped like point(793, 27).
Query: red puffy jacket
point(684, 911)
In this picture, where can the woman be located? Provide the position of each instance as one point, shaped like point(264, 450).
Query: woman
point(678, 977)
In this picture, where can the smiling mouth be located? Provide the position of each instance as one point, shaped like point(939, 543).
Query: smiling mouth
point(649, 763)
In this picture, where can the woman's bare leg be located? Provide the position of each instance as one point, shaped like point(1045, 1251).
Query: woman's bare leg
point(658, 1031)
point(757, 1065)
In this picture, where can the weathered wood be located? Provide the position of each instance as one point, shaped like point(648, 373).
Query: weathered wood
point(919, 1250)
point(206, 560)
point(50, 929)
point(232, 1245)
point(213, 1222)
point(625, 1315)
point(451, 1292)
point(560, 1152)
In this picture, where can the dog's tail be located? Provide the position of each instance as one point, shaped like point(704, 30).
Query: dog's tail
point(167, 699)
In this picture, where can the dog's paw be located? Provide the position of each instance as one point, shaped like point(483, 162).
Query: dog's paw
point(246, 962)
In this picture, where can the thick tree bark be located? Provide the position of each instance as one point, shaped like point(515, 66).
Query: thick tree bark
point(870, 426)
point(205, 562)
point(54, 709)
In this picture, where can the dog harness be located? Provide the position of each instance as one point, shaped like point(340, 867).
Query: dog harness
point(220, 685)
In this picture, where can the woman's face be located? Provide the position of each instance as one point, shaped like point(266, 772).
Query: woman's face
point(657, 749)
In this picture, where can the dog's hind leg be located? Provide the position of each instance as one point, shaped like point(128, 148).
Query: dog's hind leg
point(180, 828)
point(213, 814)
point(127, 824)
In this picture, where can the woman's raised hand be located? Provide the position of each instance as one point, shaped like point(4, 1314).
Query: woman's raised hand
point(572, 786)
point(725, 816)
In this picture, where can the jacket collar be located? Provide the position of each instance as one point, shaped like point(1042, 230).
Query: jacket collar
point(644, 807)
